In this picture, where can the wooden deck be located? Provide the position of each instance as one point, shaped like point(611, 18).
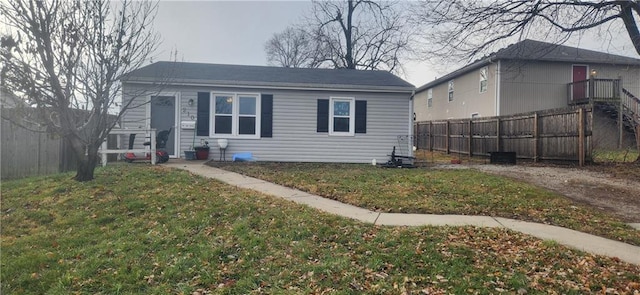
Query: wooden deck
point(594, 90)
point(605, 91)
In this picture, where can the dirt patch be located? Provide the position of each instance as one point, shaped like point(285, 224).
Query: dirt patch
point(616, 193)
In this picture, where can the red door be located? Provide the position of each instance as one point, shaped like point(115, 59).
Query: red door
point(579, 83)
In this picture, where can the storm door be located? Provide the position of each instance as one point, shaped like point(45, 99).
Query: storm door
point(163, 117)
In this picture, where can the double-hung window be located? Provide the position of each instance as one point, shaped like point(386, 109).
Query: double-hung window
point(451, 90)
point(484, 77)
point(223, 110)
point(235, 115)
point(247, 114)
point(342, 116)
point(430, 97)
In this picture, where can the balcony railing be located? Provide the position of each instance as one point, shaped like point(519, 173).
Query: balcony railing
point(604, 90)
point(632, 105)
point(588, 91)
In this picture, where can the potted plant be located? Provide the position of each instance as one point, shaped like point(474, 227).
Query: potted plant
point(202, 152)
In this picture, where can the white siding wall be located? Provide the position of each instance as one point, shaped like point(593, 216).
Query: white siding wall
point(294, 127)
point(467, 98)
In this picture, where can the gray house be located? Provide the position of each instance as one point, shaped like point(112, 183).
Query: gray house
point(529, 76)
point(277, 114)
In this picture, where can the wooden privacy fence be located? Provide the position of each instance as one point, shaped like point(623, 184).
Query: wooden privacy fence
point(550, 135)
point(30, 153)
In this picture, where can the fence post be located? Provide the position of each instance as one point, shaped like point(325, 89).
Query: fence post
point(591, 89)
point(414, 138)
point(430, 136)
point(536, 137)
point(638, 136)
point(470, 138)
point(498, 135)
point(38, 154)
point(620, 115)
point(447, 142)
point(581, 151)
point(103, 156)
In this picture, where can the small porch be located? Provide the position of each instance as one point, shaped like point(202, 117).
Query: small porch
point(609, 95)
point(604, 91)
point(594, 90)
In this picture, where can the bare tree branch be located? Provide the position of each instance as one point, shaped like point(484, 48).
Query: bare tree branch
point(295, 48)
point(70, 56)
point(352, 34)
point(469, 29)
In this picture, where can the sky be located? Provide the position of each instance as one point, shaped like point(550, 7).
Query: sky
point(234, 32)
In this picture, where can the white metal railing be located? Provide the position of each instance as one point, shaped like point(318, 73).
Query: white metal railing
point(152, 148)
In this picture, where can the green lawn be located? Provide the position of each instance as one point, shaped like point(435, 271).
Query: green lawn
point(615, 156)
point(139, 229)
point(436, 191)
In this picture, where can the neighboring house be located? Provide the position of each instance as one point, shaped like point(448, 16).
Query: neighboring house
point(524, 77)
point(9, 100)
point(277, 114)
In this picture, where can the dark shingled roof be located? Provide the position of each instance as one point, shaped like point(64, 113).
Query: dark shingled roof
point(531, 50)
point(261, 76)
point(537, 50)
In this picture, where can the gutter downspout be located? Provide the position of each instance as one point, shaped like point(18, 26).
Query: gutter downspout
point(411, 122)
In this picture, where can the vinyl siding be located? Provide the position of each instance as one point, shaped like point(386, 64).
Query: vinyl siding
point(524, 87)
point(294, 127)
point(527, 87)
point(630, 76)
point(136, 116)
point(467, 98)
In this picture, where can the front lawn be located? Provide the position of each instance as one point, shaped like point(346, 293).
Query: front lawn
point(138, 229)
point(467, 192)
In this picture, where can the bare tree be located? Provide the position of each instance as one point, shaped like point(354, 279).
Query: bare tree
point(295, 48)
point(356, 34)
point(66, 58)
point(471, 28)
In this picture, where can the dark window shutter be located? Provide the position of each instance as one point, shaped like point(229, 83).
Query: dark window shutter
point(361, 116)
point(266, 115)
point(323, 115)
point(202, 128)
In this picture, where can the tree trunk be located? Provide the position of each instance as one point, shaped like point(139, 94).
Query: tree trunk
point(630, 23)
point(85, 170)
point(349, 37)
point(86, 160)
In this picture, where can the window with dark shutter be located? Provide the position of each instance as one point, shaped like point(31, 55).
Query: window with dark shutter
point(266, 116)
point(202, 128)
point(361, 116)
point(323, 116)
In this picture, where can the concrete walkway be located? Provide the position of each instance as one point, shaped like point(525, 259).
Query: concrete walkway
point(575, 239)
